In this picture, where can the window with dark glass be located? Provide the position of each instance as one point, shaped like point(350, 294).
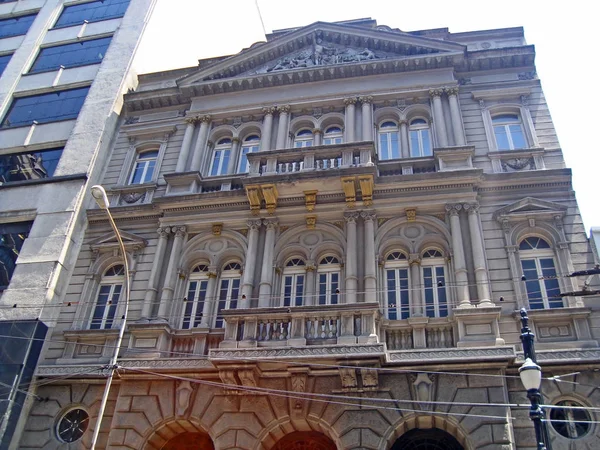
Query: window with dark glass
point(92, 12)
point(29, 166)
point(434, 284)
point(293, 283)
point(109, 295)
point(71, 55)
point(229, 290)
point(4, 59)
point(541, 281)
point(397, 286)
point(12, 236)
point(572, 421)
point(329, 280)
point(193, 306)
point(15, 26)
point(44, 108)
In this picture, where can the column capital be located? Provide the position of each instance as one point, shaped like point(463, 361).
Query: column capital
point(254, 224)
point(471, 208)
point(365, 99)
point(235, 140)
point(414, 259)
point(179, 231)
point(368, 215)
point(451, 90)
point(269, 110)
point(284, 109)
point(350, 101)
point(317, 131)
point(403, 122)
point(192, 120)
point(163, 232)
point(205, 119)
point(453, 209)
point(270, 223)
point(350, 217)
point(433, 93)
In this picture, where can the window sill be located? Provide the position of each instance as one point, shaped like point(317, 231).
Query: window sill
point(507, 161)
point(132, 194)
point(58, 179)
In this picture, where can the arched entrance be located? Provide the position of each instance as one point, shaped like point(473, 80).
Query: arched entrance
point(189, 441)
point(305, 440)
point(427, 439)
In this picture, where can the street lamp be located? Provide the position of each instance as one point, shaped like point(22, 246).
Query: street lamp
point(531, 377)
point(99, 195)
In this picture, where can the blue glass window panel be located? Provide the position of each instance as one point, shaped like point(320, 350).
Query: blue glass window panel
point(532, 285)
point(429, 295)
point(235, 290)
point(12, 237)
point(335, 284)
point(71, 55)
point(222, 302)
point(404, 301)
point(550, 283)
point(100, 305)
point(44, 108)
point(4, 59)
point(322, 289)
point(112, 308)
point(516, 133)
point(143, 172)
point(189, 304)
point(92, 12)
point(299, 290)
point(287, 290)
point(533, 243)
point(29, 166)
point(501, 138)
point(426, 141)
point(441, 291)
point(392, 304)
point(244, 166)
point(16, 26)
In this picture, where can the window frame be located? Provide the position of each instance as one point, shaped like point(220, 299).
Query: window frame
point(34, 15)
point(397, 266)
point(419, 130)
point(14, 228)
point(5, 59)
point(435, 263)
point(88, 20)
point(328, 269)
point(146, 163)
point(232, 276)
point(248, 146)
point(114, 282)
point(333, 136)
point(196, 304)
point(32, 155)
point(32, 70)
point(495, 109)
point(294, 271)
point(389, 140)
point(224, 148)
point(506, 126)
point(301, 137)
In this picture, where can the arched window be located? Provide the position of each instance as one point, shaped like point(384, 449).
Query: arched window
point(329, 280)
point(541, 283)
point(304, 138)
point(508, 131)
point(109, 294)
point(292, 286)
point(143, 169)
point(333, 135)
point(229, 290)
point(420, 138)
point(397, 305)
point(389, 148)
point(196, 296)
point(433, 266)
point(250, 145)
point(220, 159)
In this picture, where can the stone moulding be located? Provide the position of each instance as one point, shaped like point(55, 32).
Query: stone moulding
point(564, 356)
point(298, 352)
point(453, 355)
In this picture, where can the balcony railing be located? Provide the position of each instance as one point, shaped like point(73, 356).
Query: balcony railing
point(310, 159)
point(419, 332)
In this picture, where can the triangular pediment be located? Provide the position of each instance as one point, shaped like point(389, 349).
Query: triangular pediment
point(322, 46)
point(530, 207)
point(109, 241)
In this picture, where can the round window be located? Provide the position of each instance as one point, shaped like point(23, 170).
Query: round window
point(72, 425)
point(570, 421)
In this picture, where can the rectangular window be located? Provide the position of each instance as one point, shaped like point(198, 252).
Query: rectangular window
point(12, 236)
point(92, 12)
point(16, 26)
point(228, 297)
point(71, 55)
point(194, 305)
point(542, 286)
point(293, 290)
point(29, 166)
point(44, 108)
point(4, 59)
point(220, 162)
point(329, 284)
point(397, 294)
point(436, 304)
point(106, 306)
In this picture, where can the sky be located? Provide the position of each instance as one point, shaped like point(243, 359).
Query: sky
point(564, 34)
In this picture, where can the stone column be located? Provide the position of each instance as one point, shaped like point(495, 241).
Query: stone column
point(233, 156)
point(200, 147)
point(265, 137)
point(266, 274)
point(404, 142)
point(416, 293)
point(438, 117)
point(159, 256)
point(351, 257)
point(209, 309)
point(350, 125)
point(457, 129)
point(171, 275)
point(186, 144)
point(284, 112)
point(370, 260)
point(318, 136)
point(481, 273)
point(309, 287)
point(367, 118)
point(250, 266)
point(460, 266)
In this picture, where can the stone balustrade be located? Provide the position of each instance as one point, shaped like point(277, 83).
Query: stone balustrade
point(419, 332)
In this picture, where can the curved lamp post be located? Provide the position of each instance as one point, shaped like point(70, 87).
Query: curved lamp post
point(531, 377)
point(99, 195)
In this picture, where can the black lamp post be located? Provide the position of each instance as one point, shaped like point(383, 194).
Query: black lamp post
point(531, 377)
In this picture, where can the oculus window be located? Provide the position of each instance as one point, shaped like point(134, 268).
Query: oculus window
point(92, 12)
point(12, 236)
point(570, 421)
point(16, 26)
point(72, 425)
point(4, 59)
point(29, 166)
point(71, 55)
point(45, 108)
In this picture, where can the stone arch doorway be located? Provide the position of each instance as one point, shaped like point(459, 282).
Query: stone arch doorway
point(189, 441)
point(427, 439)
point(305, 440)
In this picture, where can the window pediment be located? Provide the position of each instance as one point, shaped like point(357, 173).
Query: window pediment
point(109, 241)
point(530, 208)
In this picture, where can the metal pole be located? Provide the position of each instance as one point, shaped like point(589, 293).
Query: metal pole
point(112, 365)
point(536, 413)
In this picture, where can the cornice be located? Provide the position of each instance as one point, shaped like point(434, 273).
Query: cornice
point(427, 356)
point(311, 352)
